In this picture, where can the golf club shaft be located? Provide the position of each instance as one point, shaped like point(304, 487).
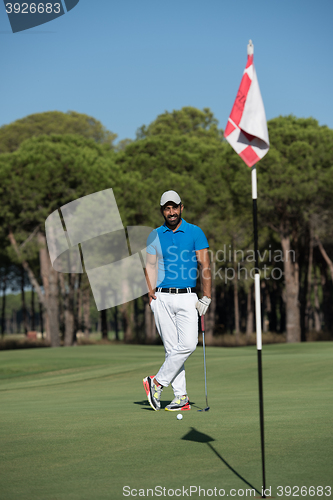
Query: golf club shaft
point(204, 350)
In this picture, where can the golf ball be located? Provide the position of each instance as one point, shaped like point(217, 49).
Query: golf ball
point(179, 416)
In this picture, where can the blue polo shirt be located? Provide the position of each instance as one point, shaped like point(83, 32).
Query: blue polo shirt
point(177, 261)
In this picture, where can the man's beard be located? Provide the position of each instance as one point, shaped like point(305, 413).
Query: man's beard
point(174, 222)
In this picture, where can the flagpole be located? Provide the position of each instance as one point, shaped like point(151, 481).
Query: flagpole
point(258, 323)
point(247, 133)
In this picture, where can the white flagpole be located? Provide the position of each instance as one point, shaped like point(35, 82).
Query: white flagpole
point(247, 121)
point(258, 323)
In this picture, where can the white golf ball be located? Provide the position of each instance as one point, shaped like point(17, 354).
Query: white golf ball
point(179, 416)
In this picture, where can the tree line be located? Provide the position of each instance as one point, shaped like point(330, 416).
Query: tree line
point(50, 159)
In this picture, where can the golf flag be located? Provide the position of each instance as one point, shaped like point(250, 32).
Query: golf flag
point(246, 130)
point(247, 133)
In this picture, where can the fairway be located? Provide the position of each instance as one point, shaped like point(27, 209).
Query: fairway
point(75, 424)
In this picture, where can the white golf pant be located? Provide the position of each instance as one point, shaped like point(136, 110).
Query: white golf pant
point(176, 320)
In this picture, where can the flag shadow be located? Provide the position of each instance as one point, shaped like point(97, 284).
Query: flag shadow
point(200, 437)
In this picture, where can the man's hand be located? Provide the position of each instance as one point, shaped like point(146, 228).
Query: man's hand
point(151, 274)
point(151, 296)
point(202, 305)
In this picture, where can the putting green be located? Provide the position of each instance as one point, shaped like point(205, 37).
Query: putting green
point(75, 424)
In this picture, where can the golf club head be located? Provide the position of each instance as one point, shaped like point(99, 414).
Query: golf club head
point(205, 409)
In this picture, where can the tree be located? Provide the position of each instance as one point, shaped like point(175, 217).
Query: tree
point(187, 121)
point(45, 173)
point(291, 180)
point(53, 122)
point(175, 151)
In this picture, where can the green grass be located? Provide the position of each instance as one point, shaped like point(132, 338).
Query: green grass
point(75, 424)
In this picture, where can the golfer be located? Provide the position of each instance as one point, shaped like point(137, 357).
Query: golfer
point(173, 253)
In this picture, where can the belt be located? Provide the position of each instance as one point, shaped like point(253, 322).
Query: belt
point(176, 290)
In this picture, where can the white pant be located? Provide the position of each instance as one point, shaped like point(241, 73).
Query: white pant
point(176, 320)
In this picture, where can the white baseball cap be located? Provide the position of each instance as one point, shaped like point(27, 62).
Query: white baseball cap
point(170, 196)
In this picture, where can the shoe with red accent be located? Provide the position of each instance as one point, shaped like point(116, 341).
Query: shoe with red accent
point(153, 392)
point(179, 403)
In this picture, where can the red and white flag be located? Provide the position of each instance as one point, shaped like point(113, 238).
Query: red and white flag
point(246, 130)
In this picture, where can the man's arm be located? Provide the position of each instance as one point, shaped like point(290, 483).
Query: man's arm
point(206, 280)
point(151, 275)
point(205, 273)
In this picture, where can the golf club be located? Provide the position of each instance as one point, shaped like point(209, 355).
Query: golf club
point(203, 343)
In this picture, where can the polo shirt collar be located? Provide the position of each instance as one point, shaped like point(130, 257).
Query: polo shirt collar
point(182, 228)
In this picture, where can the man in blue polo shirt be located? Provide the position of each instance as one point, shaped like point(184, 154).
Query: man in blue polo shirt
point(173, 253)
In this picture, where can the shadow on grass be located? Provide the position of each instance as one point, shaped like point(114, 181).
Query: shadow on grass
point(146, 406)
point(144, 403)
point(200, 437)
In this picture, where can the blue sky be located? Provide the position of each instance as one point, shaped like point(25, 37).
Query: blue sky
point(125, 62)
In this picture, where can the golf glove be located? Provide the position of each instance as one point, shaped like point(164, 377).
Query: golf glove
point(202, 305)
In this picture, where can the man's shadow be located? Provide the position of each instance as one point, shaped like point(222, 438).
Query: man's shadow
point(146, 406)
point(200, 437)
